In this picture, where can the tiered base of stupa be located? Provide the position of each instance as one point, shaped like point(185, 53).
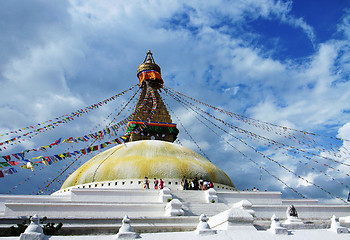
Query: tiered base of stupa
point(99, 211)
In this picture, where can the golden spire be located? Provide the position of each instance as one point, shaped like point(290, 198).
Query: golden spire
point(161, 126)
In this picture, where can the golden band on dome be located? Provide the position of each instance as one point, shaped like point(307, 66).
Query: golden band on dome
point(160, 124)
point(150, 75)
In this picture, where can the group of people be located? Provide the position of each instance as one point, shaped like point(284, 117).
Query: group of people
point(186, 184)
point(195, 184)
point(157, 184)
point(253, 190)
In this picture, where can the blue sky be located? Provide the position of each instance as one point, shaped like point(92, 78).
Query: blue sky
point(284, 62)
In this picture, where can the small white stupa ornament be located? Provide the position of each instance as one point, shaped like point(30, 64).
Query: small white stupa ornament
point(203, 227)
point(292, 216)
point(336, 227)
point(126, 231)
point(34, 231)
point(276, 227)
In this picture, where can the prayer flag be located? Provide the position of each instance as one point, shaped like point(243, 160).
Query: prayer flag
point(52, 159)
point(44, 161)
point(9, 171)
point(13, 163)
point(21, 155)
point(48, 160)
point(5, 164)
point(43, 148)
point(56, 142)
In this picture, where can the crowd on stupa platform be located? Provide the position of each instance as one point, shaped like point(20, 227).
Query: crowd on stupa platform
point(187, 184)
point(157, 184)
point(195, 184)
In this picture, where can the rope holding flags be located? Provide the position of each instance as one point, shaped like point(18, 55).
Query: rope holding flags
point(178, 99)
point(109, 130)
point(60, 120)
point(123, 138)
point(183, 127)
point(37, 170)
point(280, 145)
point(268, 172)
point(249, 133)
point(48, 160)
point(307, 138)
point(244, 117)
point(75, 160)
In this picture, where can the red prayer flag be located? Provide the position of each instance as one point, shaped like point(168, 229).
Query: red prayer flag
point(13, 163)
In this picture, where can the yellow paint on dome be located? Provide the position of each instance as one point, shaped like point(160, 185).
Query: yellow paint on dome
point(151, 158)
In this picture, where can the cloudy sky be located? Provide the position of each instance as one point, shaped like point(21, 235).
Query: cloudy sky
point(282, 62)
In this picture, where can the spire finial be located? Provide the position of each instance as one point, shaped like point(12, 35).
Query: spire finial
point(149, 57)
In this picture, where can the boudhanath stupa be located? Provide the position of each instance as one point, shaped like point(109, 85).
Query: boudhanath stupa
point(108, 197)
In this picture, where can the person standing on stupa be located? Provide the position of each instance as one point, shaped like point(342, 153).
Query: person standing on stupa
point(146, 183)
point(195, 183)
point(184, 183)
point(155, 183)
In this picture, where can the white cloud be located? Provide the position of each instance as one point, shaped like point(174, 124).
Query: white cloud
point(344, 132)
point(312, 98)
point(344, 25)
point(300, 23)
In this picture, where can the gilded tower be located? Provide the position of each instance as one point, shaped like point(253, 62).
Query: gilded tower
point(160, 126)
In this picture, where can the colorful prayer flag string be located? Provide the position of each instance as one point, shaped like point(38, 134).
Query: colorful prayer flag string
point(110, 130)
point(173, 113)
point(257, 151)
point(244, 117)
point(262, 137)
point(124, 138)
point(64, 119)
point(258, 165)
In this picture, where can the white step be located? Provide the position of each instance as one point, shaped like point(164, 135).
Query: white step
point(190, 196)
point(209, 209)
